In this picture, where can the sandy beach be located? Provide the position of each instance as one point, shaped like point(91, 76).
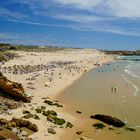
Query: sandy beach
point(47, 74)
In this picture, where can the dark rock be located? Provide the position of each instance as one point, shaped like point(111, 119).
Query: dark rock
point(79, 132)
point(130, 129)
point(69, 124)
point(54, 119)
point(38, 110)
point(32, 127)
point(49, 112)
point(98, 125)
point(48, 102)
point(52, 103)
point(20, 122)
point(29, 115)
point(59, 121)
point(79, 112)
point(43, 107)
point(43, 98)
point(51, 130)
point(14, 129)
point(109, 120)
point(24, 123)
point(57, 105)
point(3, 122)
point(26, 112)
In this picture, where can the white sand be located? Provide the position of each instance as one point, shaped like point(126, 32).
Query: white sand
point(82, 58)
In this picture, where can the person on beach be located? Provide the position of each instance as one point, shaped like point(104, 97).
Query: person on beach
point(113, 89)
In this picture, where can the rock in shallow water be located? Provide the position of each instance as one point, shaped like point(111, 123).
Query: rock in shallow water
point(109, 120)
point(130, 129)
point(99, 125)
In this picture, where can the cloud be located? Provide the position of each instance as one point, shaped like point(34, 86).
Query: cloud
point(82, 4)
point(83, 27)
point(26, 39)
point(83, 15)
point(124, 8)
point(119, 8)
point(11, 14)
point(99, 26)
point(108, 29)
point(77, 18)
point(37, 23)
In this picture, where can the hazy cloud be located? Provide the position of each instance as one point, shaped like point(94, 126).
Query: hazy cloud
point(11, 14)
point(84, 15)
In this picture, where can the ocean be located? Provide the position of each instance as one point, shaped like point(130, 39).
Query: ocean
point(92, 94)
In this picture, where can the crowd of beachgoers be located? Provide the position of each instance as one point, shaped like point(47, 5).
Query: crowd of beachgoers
point(44, 75)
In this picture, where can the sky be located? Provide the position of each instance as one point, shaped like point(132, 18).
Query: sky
point(101, 24)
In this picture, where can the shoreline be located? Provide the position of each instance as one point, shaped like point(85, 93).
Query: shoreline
point(123, 97)
point(54, 91)
point(76, 115)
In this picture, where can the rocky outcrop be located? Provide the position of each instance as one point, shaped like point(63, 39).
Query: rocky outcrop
point(16, 129)
point(25, 123)
point(7, 104)
point(13, 89)
point(109, 120)
point(8, 134)
point(20, 123)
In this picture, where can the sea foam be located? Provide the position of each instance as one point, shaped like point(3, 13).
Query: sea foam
point(135, 87)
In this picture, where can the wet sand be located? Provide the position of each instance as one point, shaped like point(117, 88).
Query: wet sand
point(92, 94)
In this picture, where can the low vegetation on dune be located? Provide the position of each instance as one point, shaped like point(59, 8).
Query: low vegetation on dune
point(6, 50)
point(28, 48)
